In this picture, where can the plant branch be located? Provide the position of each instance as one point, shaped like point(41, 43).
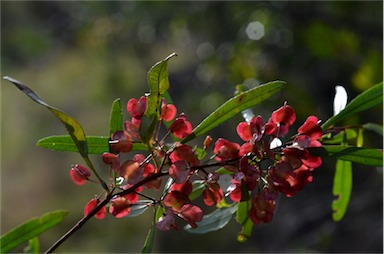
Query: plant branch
point(81, 222)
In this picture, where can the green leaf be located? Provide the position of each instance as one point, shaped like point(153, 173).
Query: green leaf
point(96, 144)
point(342, 188)
point(116, 117)
point(138, 208)
point(368, 99)
point(213, 221)
point(197, 189)
point(243, 209)
point(30, 229)
point(360, 138)
point(234, 106)
point(147, 128)
point(158, 84)
point(33, 246)
point(246, 231)
point(366, 156)
point(148, 244)
point(374, 127)
point(74, 129)
point(343, 136)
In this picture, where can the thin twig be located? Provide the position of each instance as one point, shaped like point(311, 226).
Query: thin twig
point(81, 222)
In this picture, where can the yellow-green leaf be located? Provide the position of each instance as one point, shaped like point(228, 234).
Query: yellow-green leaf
point(30, 229)
point(342, 188)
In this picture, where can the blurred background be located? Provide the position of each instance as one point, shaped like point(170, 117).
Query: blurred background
point(80, 56)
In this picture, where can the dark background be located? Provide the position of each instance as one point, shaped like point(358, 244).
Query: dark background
point(80, 56)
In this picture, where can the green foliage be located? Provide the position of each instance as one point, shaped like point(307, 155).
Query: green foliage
point(116, 117)
point(158, 84)
point(96, 144)
point(148, 244)
point(33, 246)
point(213, 221)
point(366, 156)
point(73, 127)
point(30, 230)
point(368, 99)
point(234, 106)
point(342, 188)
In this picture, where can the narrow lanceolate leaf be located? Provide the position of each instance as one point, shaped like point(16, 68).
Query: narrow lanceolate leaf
point(234, 106)
point(368, 99)
point(138, 208)
point(73, 127)
point(197, 189)
point(33, 246)
point(148, 244)
point(116, 117)
point(344, 136)
point(366, 156)
point(246, 231)
point(30, 229)
point(242, 214)
point(96, 144)
point(213, 221)
point(374, 127)
point(342, 188)
point(158, 85)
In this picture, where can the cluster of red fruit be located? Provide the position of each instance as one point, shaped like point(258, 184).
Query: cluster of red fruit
point(261, 167)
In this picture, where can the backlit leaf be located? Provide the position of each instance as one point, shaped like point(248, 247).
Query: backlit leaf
point(96, 144)
point(366, 156)
point(148, 244)
point(30, 229)
point(74, 129)
point(158, 84)
point(246, 231)
point(33, 246)
point(116, 117)
point(342, 188)
point(343, 136)
point(234, 106)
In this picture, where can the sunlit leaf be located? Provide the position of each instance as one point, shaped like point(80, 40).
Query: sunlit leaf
point(74, 129)
point(96, 144)
point(116, 117)
point(234, 106)
point(148, 244)
point(246, 231)
point(158, 85)
point(360, 138)
point(30, 229)
point(243, 209)
point(213, 221)
point(366, 156)
point(368, 99)
point(197, 189)
point(33, 246)
point(343, 136)
point(342, 188)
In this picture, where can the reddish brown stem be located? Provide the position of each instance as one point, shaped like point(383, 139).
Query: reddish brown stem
point(81, 222)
